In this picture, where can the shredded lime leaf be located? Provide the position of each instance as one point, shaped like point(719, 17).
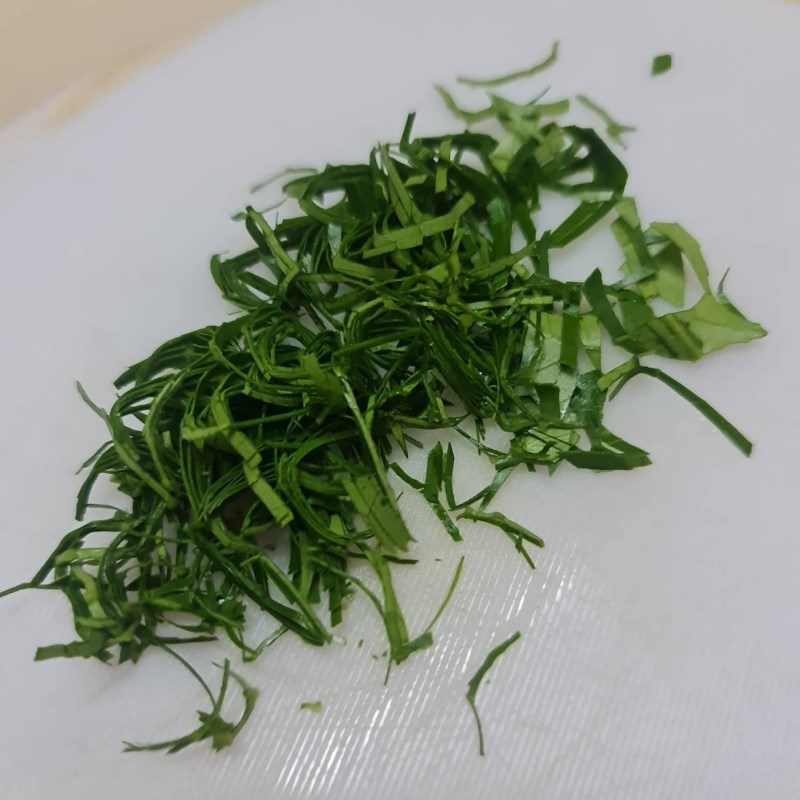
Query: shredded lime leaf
point(614, 129)
point(501, 80)
point(475, 682)
point(661, 63)
point(212, 725)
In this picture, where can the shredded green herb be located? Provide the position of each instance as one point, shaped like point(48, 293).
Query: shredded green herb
point(475, 682)
point(540, 66)
point(311, 705)
point(516, 532)
point(661, 64)
point(614, 129)
point(212, 725)
point(412, 291)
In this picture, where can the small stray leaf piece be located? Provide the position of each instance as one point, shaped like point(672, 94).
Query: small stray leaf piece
point(516, 532)
point(661, 63)
point(614, 129)
point(212, 725)
point(501, 80)
point(312, 705)
point(475, 681)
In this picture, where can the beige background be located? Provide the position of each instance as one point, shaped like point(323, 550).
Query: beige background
point(49, 46)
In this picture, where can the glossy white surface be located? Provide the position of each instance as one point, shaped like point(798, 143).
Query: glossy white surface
point(660, 655)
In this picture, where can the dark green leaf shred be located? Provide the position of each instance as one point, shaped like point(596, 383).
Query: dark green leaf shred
point(475, 682)
point(661, 63)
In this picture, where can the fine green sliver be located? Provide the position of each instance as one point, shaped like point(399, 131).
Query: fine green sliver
point(475, 682)
point(501, 80)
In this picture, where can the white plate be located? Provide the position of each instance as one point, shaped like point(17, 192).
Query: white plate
point(661, 649)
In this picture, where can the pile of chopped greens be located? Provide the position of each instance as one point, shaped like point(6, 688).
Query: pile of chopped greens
point(409, 292)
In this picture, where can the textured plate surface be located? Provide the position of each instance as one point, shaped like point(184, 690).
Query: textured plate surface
point(660, 655)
